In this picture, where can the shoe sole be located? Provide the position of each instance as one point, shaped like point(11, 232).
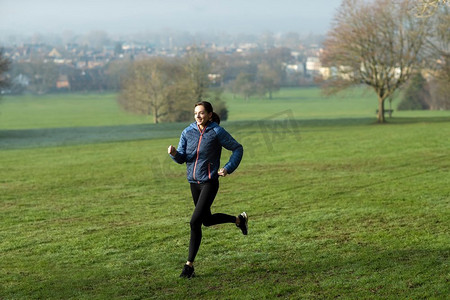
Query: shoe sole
point(244, 214)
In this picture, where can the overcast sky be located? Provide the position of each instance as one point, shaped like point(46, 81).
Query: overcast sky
point(132, 16)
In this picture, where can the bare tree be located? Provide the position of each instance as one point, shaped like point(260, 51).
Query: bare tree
point(197, 66)
point(152, 88)
point(426, 8)
point(268, 78)
point(245, 84)
point(168, 88)
point(375, 43)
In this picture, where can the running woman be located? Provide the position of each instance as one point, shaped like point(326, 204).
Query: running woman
point(200, 148)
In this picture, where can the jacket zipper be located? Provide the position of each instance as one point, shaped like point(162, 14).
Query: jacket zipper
point(198, 149)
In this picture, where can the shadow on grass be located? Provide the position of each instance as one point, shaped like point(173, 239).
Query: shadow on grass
point(339, 122)
point(415, 120)
point(51, 137)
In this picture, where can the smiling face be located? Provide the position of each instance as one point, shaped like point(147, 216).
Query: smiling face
point(201, 115)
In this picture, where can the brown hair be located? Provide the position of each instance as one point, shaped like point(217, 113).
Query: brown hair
point(209, 109)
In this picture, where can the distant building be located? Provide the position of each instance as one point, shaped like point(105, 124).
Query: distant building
point(313, 64)
point(296, 68)
point(325, 73)
point(214, 78)
point(63, 82)
point(54, 54)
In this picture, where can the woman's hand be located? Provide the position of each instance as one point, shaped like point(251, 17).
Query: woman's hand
point(222, 172)
point(171, 150)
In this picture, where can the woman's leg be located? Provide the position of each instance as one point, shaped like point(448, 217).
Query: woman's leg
point(203, 196)
point(217, 218)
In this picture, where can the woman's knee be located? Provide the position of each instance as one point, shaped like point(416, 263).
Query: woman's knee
point(196, 223)
point(207, 222)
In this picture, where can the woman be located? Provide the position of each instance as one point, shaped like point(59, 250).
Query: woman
point(200, 148)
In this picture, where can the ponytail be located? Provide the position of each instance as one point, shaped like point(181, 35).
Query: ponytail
point(215, 118)
point(209, 109)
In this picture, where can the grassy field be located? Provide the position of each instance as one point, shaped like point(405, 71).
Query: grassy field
point(64, 110)
point(339, 207)
point(93, 110)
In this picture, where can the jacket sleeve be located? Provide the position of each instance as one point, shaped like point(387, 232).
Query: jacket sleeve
point(180, 157)
point(229, 143)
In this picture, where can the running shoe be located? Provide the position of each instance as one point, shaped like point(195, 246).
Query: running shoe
point(243, 225)
point(188, 272)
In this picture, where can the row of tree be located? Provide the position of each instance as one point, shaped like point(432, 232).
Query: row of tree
point(260, 73)
point(39, 77)
point(164, 87)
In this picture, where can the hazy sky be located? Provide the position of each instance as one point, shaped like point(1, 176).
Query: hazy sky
point(132, 16)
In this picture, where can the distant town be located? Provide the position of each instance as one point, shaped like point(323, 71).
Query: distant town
point(44, 65)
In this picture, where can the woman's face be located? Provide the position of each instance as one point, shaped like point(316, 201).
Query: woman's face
point(201, 115)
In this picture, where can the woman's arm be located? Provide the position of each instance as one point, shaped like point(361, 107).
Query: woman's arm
point(179, 154)
point(229, 143)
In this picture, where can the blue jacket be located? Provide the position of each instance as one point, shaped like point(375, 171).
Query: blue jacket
point(201, 151)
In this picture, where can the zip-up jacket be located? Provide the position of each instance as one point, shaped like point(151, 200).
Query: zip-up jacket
point(201, 151)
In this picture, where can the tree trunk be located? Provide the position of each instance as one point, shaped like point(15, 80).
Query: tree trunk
point(155, 115)
point(380, 115)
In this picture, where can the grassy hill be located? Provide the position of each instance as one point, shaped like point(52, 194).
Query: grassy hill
point(339, 207)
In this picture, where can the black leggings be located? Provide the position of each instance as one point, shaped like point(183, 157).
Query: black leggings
point(203, 195)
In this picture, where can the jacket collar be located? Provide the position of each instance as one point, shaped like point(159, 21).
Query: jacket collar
point(209, 125)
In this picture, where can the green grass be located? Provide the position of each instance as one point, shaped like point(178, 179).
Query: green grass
point(91, 110)
point(339, 208)
point(305, 104)
point(311, 104)
point(64, 110)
